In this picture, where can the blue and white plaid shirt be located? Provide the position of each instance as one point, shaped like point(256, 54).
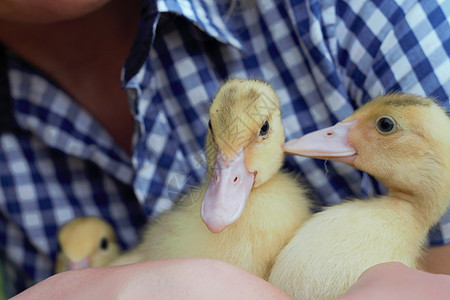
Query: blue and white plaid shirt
point(324, 58)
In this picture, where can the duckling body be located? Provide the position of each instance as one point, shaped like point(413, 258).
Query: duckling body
point(86, 242)
point(276, 204)
point(252, 242)
point(331, 250)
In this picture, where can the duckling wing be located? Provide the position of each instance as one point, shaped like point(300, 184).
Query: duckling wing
point(331, 250)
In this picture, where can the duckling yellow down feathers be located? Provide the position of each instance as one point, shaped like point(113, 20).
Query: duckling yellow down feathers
point(248, 209)
point(402, 140)
point(86, 242)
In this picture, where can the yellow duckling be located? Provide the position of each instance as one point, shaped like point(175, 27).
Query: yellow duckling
point(403, 141)
point(86, 242)
point(248, 210)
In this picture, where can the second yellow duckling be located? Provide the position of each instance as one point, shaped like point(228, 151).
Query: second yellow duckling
point(86, 242)
point(249, 208)
point(403, 141)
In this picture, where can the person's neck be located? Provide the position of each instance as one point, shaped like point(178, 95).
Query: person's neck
point(85, 57)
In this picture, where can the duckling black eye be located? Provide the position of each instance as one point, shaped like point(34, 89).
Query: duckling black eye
point(104, 244)
point(385, 124)
point(210, 126)
point(264, 129)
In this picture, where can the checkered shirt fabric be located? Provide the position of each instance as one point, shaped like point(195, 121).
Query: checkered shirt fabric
point(324, 59)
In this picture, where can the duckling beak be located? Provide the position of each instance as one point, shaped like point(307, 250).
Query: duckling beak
point(329, 143)
point(227, 192)
point(84, 263)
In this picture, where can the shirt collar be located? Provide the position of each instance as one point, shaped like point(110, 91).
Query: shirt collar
point(214, 19)
point(41, 107)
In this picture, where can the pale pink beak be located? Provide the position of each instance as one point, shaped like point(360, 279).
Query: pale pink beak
point(227, 192)
point(329, 143)
point(84, 263)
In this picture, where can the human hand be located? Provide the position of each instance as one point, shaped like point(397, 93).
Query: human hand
point(185, 278)
point(394, 280)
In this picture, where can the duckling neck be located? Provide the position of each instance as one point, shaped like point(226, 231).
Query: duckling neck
point(430, 200)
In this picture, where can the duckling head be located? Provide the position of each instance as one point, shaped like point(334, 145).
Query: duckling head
point(86, 242)
point(243, 148)
point(403, 140)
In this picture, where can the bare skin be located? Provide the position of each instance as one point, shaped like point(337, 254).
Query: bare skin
point(191, 278)
point(200, 278)
point(71, 41)
point(437, 260)
point(391, 281)
point(84, 57)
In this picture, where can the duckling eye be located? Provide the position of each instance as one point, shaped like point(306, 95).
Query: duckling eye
point(264, 129)
point(104, 244)
point(210, 126)
point(385, 124)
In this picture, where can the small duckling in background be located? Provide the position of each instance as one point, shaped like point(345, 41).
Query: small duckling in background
point(248, 209)
point(86, 242)
point(403, 141)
